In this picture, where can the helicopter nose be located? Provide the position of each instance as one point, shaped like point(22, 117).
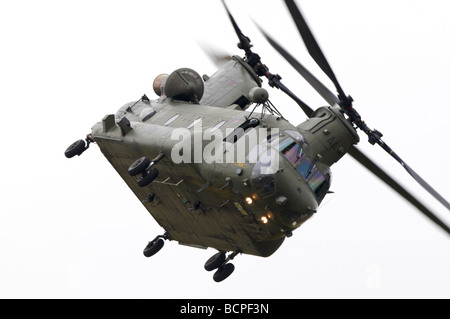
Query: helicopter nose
point(295, 201)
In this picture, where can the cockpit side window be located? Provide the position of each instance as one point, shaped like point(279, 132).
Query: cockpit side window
point(319, 184)
point(316, 181)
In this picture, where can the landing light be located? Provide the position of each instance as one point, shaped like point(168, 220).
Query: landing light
point(249, 200)
point(264, 220)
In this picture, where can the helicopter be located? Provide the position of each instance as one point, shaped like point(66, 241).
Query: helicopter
point(204, 197)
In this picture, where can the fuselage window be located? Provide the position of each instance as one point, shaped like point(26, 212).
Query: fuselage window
point(217, 126)
point(172, 119)
point(195, 122)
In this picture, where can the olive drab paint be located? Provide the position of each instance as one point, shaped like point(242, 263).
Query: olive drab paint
point(215, 172)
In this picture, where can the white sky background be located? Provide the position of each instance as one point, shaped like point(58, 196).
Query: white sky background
point(72, 228)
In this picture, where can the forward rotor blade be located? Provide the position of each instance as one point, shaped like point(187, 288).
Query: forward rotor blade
point(375, 137)
point(217, 56)
point(377, 171)
point(427, 186)
point(330, 97)
point(254, 60)
point(314, 49)
point(416, 176)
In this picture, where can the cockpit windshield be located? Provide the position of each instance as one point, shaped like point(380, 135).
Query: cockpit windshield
point(266, 158)
point(306, 168)
point(263, 175)
point(294, 153)
point(317, 181)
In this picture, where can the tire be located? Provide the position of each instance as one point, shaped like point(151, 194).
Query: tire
point(151, 175)
point(139, 166)
point(215, 261)
point(76, 148)
point(223, 272)
point(153, 248)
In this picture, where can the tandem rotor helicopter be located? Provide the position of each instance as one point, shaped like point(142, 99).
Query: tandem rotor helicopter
point(214, 173)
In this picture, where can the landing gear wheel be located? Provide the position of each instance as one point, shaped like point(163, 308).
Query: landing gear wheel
point(153, 247)
point(139, 166)
point(215, 261)
point(147, 178)
point(223, 272)
point(76, 148)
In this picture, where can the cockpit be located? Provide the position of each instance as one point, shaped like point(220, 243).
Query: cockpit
point(318, 180)
point(290, 145)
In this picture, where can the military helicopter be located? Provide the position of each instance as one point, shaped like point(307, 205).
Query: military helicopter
point(214, 173)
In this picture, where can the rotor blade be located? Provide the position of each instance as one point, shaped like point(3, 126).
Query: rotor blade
point(274, 80)
point(244, 41)
point(414, 175)
point(314, 49)
point(330, 97)
point(425, 185)
point(217, 56)
point(254, 61)
point(377, 171)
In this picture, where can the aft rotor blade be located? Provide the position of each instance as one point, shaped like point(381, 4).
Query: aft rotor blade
point(314, 49)
point(330, 97)
point(377, 171)
point(244, 41)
